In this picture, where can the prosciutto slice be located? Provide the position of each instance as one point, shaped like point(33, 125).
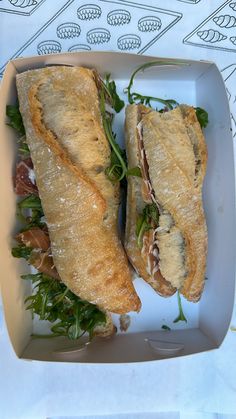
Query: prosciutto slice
point(24, 179)
point(43, 262)
point(35, 237)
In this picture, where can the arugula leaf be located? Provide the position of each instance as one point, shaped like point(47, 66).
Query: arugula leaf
point(118, 165)
point(152, 212)
point(117, 169)
point(31, 201)
point(54, 302)
point(134, 97)
point(23, 148)
point(15, 119)
point(21, 251)
point(181, 317)
point(74, 331)
point(202, 117)
point(110, 88)
point(31, 221)
point(146, 100)
point(165, 327)
point(33, 277)
point(134, 171)
point(144, 222)
point(35, 219)
point(141, 227)
point(16, 123)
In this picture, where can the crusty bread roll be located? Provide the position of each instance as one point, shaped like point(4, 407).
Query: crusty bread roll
point(175, 155)
point(70, 152)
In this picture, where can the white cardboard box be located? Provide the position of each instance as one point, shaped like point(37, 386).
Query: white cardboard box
point(195, 83)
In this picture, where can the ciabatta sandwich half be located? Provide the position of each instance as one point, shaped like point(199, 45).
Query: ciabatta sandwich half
point(70, 153)
point(166, 233)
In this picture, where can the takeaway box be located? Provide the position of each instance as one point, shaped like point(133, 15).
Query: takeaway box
point(197, 83)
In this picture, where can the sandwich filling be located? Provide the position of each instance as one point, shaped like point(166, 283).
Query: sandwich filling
point(149, 244)
point(163, 244)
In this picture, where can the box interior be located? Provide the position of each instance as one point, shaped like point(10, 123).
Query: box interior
point(194, 83)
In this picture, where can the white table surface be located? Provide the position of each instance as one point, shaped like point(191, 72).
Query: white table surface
point(202, 384)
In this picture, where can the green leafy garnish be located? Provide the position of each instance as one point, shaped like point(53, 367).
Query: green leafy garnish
point(110, 89)
point(152, 212)
point(118, 166)
point(134, 97)
point(134, 171)
point(29, 221)
point(21, 251)
point(32, 202)
point(181, 317)
point(165, 327)
point(15, 121)
point(33, 277)
point(23, 148)
point(34, 220)
point(146, 100)
point(142, 226)
point(169, 104)
point(15, 118)
point(145, 222)
point(202, 117)
point(54, 302)
point(117, 169)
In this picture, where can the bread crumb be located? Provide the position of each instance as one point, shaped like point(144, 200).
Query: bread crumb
point(125, 321)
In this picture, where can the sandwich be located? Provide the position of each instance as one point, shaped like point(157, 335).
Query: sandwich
point(69, 155)
point(166, 234)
